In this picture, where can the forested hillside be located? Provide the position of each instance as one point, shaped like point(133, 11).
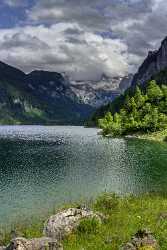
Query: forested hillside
point(141, 110)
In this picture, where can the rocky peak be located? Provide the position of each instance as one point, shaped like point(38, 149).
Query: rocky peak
point(7, 71)
point(125, 82)
point(153, 64)
point(164, 42)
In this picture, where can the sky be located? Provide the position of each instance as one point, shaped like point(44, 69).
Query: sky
point(83, 38)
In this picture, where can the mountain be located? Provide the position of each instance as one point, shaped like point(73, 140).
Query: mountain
point(43, 97)
point(143, 107)
point(125, 83)
point(155, 62)
point(102, 91)
point(114, 104)
point(154, 67)
point(40, 97)
point(142, 111)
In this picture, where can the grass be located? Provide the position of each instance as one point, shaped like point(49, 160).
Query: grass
point(29, 230)
point(32, 228)
point(124, 217)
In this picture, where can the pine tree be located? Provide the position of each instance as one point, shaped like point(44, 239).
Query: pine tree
point(154, 92)
point(139, 98)
point(140, 112)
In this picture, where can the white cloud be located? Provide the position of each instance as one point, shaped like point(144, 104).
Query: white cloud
point(50, 48)
point(138, 24)
point(85, 38)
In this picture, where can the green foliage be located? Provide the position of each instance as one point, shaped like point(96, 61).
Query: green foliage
point(88, 226)
point(139, 98)
point(124, 216)
point(140, 112)
point(106, 202)
point(33, 229)
point(131, 214)
point(154, 92)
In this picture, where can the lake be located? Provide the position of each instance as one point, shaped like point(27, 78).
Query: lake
point(46, 166)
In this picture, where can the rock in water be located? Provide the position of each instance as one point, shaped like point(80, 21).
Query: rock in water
point(63, 223)
point(143, 238)
point(43, 243)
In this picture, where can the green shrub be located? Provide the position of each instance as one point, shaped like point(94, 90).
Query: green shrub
point(89, 226)
point(165, 139)
point(107, 202)
point(142, 111)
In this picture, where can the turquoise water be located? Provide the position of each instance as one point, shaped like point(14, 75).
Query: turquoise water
point(42, 167)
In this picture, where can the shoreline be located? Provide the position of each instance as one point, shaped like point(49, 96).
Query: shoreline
point(159, 136)
point(123, 218)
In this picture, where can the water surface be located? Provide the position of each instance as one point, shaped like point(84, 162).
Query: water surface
point(42, 167)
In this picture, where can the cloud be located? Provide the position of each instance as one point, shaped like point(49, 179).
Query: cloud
point(139, 24)
point(84, 13)
point(94, 15)
point(85, 38)
point(51, 48)
point(15, 3)
point(22, 40)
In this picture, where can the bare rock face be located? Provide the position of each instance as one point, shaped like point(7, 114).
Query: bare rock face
point(43, 243)
point(153, 64)
point(63, 223)
point(142, 238)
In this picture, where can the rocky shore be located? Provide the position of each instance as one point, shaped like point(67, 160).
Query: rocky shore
point(111, 222)
point(56, 228)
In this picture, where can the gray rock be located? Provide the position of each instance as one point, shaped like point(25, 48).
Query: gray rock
point(129, 246)
point(2, 247)
point(43, 243)
point(63, 223)
point(141, 238)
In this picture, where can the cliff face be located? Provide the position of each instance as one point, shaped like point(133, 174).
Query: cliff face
point(125, 83)
point(153, 64)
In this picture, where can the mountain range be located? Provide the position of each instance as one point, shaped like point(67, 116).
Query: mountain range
point(102, 91)
point(40, 97)
point(43, 97)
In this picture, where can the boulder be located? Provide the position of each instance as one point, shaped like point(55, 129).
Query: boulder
point(2, 247)
point(60, 225)
point(43, 243)
point(143, 238)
